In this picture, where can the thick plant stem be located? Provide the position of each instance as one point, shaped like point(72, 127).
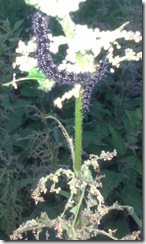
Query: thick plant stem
point(68, 27)
point(78, 133)
point(78, 151)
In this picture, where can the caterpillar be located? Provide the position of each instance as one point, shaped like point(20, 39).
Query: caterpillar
point(44, 57)
point(50, 69)
point(88, 87)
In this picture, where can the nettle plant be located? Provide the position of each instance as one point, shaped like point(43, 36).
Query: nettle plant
point(85, 206)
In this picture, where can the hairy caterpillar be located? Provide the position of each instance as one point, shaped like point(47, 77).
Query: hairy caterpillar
point(88, 87)
point(50, 69)
point(44, 57)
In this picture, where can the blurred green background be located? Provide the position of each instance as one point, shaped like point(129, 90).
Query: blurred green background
point(31, 148)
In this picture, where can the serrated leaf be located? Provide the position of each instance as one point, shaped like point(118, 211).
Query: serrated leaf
point(4, 38)
point(110, 182)
point(44, 83)
point(133, 198)
point(118, 141)
point(135, 163)
point(36, 74)
point(134, 118)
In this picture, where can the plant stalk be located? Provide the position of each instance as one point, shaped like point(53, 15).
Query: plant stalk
point(68, 27)
point(78, 153)
point(78, 133)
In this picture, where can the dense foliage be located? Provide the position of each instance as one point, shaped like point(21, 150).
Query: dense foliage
point(31, 147)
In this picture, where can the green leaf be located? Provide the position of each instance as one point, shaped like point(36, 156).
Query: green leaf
point(118, 141)
point(134, 118)
point(21, 103)
point(36, 74)
point(24, 182)
point(135, 163)
point(44, 218)
point(92, 137)
point(79, 58)
point(131, 139)
point(4, 38)
point(133, 198)
point(29, 92)
point(14, 121)
point(44, 83)
point(86, 174)
point(75, 210)
point(110, 182)
point(65, 194)
point(122, 227)
point(139, 113)
point(18, 24)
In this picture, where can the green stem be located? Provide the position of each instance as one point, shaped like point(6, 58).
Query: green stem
point(78, 133)
point(67, 25)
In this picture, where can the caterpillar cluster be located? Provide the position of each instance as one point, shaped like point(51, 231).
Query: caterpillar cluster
point(50, 69)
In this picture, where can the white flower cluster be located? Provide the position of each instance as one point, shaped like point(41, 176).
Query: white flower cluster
point(24, 61)
point(67, 95)
point(88, 43)
point(84, 44)
point(58, 8)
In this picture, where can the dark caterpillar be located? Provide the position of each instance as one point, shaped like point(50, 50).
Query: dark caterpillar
point(44, 57)
point(50, 69)
point(88, 87)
